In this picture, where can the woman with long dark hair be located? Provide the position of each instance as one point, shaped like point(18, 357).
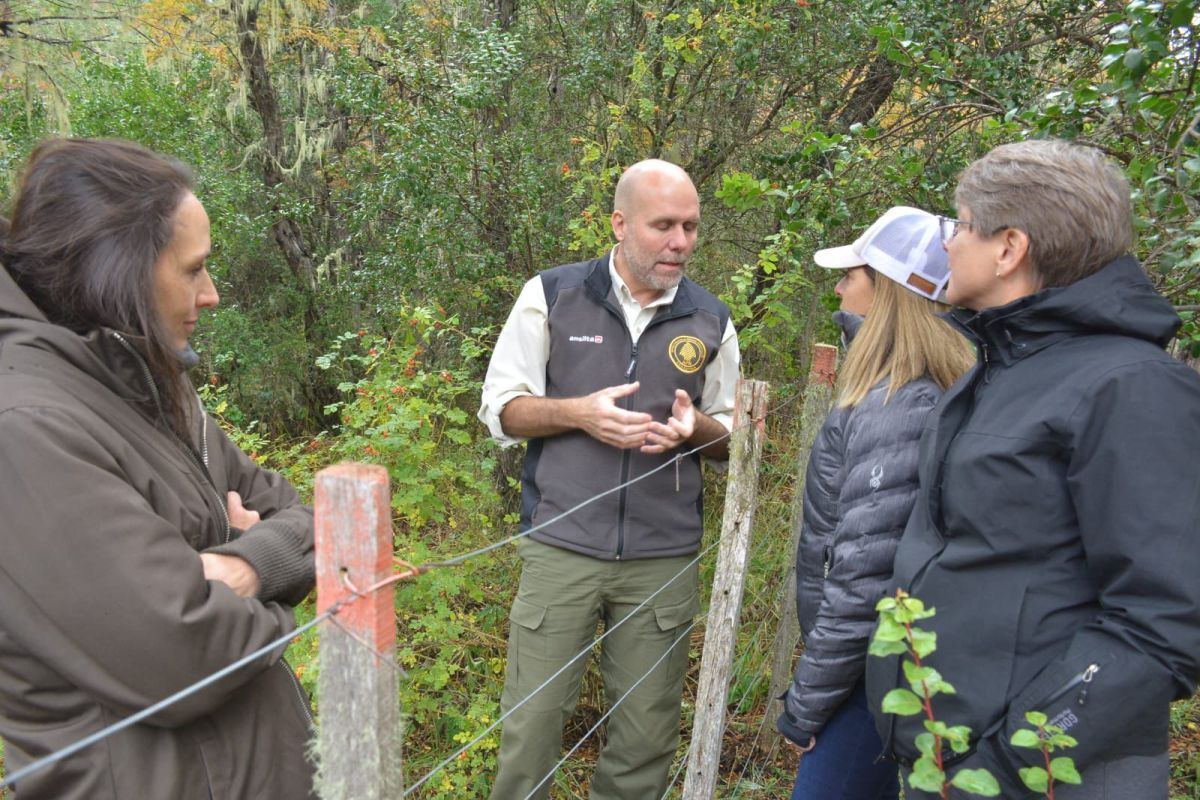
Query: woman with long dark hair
point(859, 490)
point(141, 550)
point(1055, 529)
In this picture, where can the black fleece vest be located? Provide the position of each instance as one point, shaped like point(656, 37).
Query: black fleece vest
point(590, 349)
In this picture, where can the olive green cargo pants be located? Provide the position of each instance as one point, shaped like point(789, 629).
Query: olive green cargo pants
point(561, 598)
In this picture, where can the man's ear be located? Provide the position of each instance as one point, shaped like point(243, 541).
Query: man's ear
point(618, 225)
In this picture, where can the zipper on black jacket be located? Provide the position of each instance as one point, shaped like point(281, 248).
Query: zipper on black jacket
point(936, 522)
point(1084, 678)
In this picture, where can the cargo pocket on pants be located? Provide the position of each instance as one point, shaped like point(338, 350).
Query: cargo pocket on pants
point(674, 619)
point(528, 657)
point(526, 614)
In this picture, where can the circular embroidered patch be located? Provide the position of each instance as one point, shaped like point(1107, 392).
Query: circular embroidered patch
point(687, 353)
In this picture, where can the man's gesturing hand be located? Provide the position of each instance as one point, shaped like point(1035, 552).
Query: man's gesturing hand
point(678, 429)
point(601, 418)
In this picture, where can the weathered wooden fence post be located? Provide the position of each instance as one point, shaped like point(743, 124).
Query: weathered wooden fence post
point(818, 400)
point(720, 637)
point(359, 744)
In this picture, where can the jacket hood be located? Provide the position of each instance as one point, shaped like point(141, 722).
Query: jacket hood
point(849, 324)
point(14, 302)
point(98, 353)
point(1119, 300)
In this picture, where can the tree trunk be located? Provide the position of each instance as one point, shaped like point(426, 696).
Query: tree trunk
point(265, 102)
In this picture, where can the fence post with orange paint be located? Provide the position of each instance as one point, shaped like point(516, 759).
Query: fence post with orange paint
point(359, 742)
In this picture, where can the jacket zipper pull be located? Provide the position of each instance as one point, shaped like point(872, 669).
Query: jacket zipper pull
point(1088, 674)
point(677, 472)
point(632, 363)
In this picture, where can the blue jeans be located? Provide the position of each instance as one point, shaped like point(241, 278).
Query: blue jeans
point(845, 763)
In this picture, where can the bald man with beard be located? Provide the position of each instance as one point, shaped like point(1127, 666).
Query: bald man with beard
point(610, 368)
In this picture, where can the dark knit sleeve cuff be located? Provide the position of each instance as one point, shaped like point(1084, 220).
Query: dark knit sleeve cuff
point(279, 555)
point(786, 724)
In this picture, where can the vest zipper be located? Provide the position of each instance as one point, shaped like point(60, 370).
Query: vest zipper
point(630, 376)
point(626, 458)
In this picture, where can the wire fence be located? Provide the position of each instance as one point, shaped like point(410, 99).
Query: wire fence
point(585, 651)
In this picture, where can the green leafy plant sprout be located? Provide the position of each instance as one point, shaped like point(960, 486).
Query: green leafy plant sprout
point(1047, 739)
point(897, 635)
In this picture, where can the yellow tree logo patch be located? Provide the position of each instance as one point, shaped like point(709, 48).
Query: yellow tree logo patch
point(687, 353)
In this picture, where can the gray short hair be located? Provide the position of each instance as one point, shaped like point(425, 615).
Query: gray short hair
point(1071, 200)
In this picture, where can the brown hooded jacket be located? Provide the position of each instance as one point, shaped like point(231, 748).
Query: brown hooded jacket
point(104, 608)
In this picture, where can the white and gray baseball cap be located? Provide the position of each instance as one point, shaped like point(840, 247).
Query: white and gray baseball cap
point(905, 244)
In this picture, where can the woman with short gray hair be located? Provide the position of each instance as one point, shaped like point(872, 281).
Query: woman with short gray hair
point(1054, 530)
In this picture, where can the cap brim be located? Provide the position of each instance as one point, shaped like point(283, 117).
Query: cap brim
point(842, 257)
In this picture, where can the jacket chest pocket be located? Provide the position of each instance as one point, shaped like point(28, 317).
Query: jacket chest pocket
point(1021, 481)
point(200, 530)
point(189, 508)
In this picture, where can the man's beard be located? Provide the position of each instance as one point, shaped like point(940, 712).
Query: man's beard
point(647, 275)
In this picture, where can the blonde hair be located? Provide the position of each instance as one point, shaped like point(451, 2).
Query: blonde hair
point(902, 340)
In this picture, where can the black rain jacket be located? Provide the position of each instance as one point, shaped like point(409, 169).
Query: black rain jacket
point(1056, 530)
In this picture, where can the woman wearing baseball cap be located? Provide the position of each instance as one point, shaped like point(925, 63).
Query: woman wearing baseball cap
point(859, 489)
